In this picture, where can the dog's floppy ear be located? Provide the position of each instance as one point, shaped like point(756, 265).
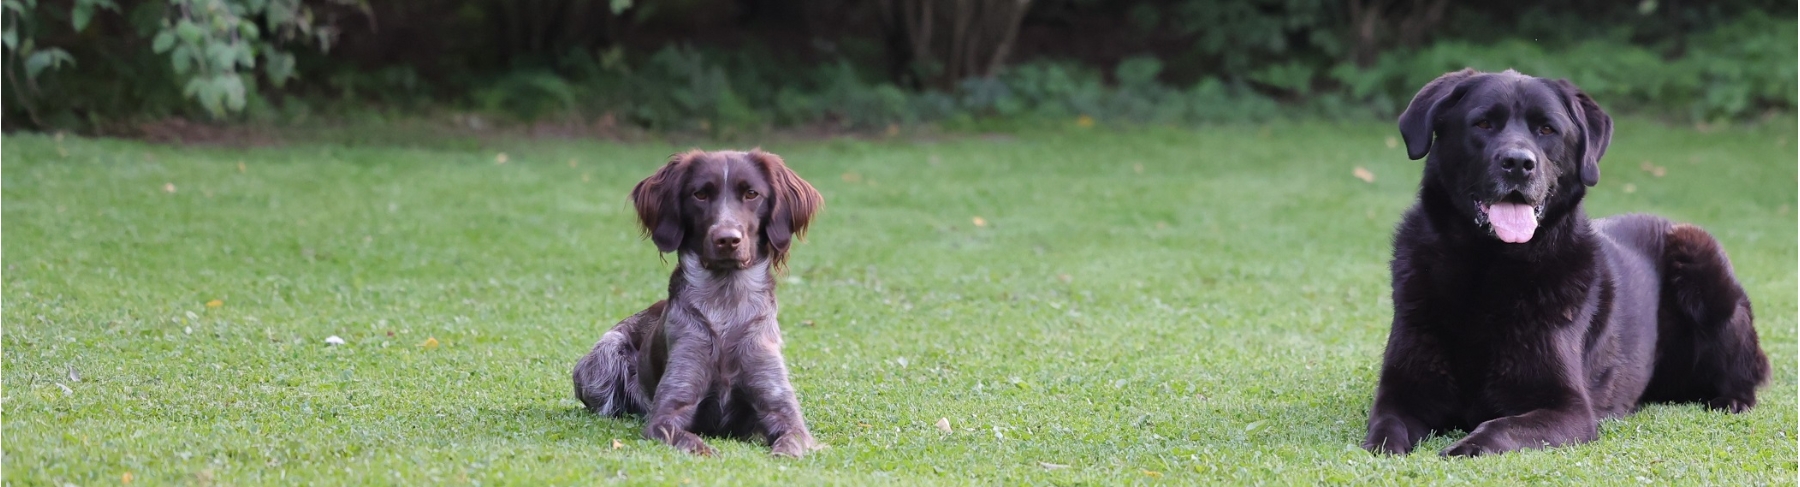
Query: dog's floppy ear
point(1595, 126)
point(658, 202)
point(794, 200)
point(1420, 118)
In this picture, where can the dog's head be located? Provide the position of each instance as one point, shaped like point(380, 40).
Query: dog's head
point(729, 209)
point(1509, 149)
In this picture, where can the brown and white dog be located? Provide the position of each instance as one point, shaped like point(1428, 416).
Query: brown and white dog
point(707, 361)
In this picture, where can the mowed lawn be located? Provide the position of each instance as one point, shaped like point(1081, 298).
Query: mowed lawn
point(1099, 306)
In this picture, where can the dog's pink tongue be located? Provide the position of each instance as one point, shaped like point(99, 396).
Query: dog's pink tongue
point(1513, 222)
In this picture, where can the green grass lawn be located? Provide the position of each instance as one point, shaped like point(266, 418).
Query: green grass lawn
point(1137, 306)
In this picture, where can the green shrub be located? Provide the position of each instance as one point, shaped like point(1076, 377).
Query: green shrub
point(1257, 60)
point(1735, 70)
point(100, 64)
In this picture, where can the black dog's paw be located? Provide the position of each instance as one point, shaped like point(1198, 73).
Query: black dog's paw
point(1387, 443)
point(1466, 448)
point(1731, 405)
point(1388, 435)
point(1480, 442)
point(1387, 447)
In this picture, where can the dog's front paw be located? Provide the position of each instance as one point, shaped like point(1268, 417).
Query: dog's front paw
point(1731, 405)
point(793, 445)
point(690, 443)
point(1388, 435)
point(1387, 446)
point(1483, 441)
point(1466, 448)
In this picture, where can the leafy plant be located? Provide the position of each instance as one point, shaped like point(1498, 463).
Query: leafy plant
point(212, 45)
point(212, 42)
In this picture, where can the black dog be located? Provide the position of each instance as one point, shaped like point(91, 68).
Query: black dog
point(708, 359)
point(1518, 319)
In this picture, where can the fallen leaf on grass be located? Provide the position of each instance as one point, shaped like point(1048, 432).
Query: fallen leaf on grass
point(1084, 121)
point(168, 187)
point(1653, 169)
point(863, 425)
point(1052, 466)
point(1363, 174)
point(1153, 473)
point(73, 376)
point(500, 159)
point(66, 390)
point(431, 343)
point(215, 303)
point(943, 424)
point(125, 479)
point(980, 222)
point(806, 323)
point(617, 444)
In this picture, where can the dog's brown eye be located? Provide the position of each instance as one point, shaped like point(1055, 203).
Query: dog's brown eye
point(1546, 130)
point(1484, 125)
point(700, 195)
point(750, 194)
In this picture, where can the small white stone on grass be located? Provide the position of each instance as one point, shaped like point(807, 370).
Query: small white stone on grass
point(334, 340)
point(943, 424)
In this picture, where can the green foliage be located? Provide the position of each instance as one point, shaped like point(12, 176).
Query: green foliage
point(1737, 69)
point(211, 43)
point(528, 94)
point(211, 48)
point(1245, 36)
point(728, 93)
point(90, 64)
point(17, 26)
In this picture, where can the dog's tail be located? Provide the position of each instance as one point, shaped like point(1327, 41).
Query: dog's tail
point(606, 380)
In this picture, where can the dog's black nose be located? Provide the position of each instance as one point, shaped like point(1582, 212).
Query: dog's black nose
point(1517, 162)
point(728, 239)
